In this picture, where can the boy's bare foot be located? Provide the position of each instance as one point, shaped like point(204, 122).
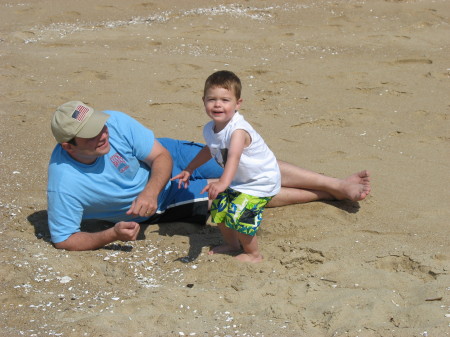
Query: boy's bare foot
point(249, 258)
point(355, 187)
point(224, 249)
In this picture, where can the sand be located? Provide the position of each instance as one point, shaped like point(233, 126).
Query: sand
point(332, 86)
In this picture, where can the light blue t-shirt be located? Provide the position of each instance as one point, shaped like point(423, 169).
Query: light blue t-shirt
point(105, 189)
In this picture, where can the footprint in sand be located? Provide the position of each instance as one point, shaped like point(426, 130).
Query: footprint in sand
point(301, 258)
point(405, 264)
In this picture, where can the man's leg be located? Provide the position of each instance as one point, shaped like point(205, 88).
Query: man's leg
point(300, 185)
point(183, 151)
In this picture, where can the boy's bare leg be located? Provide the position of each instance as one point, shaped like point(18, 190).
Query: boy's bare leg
point(250, 246)
point(300, 185)
point(230, 237)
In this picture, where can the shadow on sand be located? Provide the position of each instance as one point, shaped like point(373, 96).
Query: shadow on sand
point(199, 236)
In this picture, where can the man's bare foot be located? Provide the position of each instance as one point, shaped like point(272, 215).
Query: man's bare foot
point(224, 249)
point(249, 258)
point(355, 187)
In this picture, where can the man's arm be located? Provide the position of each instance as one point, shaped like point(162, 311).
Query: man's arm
point(123, 231)
point(160, 162)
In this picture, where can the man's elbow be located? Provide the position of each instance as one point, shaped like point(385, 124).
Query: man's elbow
point(61, 245)
point(66, 244)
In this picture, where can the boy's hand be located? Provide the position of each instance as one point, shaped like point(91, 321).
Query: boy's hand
point(183, 177)
point(214, 189)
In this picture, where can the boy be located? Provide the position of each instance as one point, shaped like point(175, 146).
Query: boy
point(251, 175)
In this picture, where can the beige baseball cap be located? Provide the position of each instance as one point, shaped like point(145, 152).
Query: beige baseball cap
point(75, 118)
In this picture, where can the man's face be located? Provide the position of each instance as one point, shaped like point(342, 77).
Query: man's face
point(87, 150)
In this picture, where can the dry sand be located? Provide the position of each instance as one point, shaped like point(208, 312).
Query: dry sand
point(333, 86)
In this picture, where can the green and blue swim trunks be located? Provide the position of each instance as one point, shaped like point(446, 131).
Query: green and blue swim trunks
point(239, 211)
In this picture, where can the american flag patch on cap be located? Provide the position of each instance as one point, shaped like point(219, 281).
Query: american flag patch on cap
point(80, 112)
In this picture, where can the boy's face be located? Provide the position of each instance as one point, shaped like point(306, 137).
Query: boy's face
point(220, 106)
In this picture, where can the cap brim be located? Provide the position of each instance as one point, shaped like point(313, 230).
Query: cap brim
point(94, 125)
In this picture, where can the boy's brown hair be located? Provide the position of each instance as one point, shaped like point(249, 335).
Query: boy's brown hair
point(224, 79)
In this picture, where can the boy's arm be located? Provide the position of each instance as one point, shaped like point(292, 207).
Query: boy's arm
point(202, 157)
point(240, 139)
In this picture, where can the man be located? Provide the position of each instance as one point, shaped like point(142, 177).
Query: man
point(108, 166)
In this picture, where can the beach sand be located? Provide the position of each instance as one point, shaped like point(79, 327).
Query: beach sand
point(332, 86)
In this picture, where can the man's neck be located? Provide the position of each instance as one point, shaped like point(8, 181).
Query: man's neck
point(83, 159)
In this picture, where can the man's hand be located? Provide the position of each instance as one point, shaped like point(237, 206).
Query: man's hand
point(144, 205)
point(214, 189)
point(160, 162)
point(126, 231)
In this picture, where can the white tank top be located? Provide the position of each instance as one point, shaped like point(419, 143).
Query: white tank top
point(258, 173)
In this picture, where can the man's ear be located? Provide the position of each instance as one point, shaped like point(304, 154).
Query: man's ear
point(67, 146)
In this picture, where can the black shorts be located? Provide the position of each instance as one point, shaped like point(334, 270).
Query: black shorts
point(195, 212)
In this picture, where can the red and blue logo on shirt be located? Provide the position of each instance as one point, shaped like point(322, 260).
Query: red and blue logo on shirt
point(119, 162)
